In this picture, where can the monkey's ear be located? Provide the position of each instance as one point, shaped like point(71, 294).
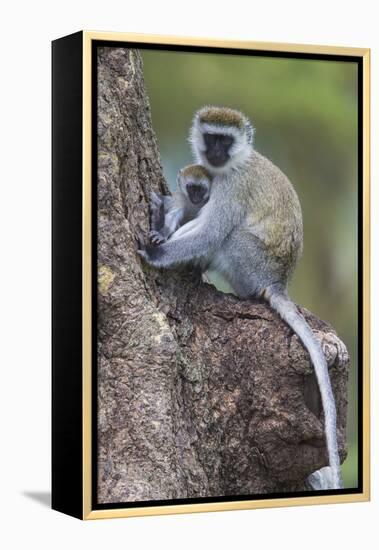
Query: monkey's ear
point(250, 132)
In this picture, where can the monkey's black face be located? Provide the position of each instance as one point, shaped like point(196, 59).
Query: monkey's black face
point(217, 148)
point(197, 192)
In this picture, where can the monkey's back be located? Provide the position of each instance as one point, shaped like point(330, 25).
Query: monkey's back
point(274, 211)
point(264, 248)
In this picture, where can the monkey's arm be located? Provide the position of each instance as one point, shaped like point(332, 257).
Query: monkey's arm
point(198, 238)
point(165, 217)
point(173, 220)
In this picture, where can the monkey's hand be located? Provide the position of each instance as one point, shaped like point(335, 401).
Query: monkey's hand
point(156, 237)
point(151, 255)
point(197, 239)
point(171, 253)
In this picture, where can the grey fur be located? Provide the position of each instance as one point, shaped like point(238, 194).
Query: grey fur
point(166, 216)
point(321, 479)
point(251, 231)
point(168, 213)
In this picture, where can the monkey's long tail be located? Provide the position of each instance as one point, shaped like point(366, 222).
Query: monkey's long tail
point(289, 313)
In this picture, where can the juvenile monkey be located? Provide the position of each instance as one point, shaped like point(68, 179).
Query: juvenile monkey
point(169, 212)
point(251, 232)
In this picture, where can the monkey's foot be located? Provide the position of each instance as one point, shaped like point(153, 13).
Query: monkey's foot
point(156, 238)
point(334, 349)
point(156, 205)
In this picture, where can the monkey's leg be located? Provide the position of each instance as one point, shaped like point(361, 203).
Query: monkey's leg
point(157, 218)
point(199, 238)
point(157, 211)
point(177, 250)
point(173, 220)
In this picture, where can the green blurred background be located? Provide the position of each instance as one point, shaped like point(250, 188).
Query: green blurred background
point(306, 117)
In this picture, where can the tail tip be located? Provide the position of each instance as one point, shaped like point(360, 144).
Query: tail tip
point(325, 479)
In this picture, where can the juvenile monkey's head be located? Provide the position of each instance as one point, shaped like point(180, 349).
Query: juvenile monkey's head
point(195, 182)
point(221, 138)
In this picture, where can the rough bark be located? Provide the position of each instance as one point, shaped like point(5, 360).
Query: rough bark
point(199, 394)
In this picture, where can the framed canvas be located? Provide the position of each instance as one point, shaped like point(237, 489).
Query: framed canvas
point(198, 355)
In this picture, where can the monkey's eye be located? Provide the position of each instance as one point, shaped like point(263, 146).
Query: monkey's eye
point(226, 140)
point(212, 140)
point(209, 139)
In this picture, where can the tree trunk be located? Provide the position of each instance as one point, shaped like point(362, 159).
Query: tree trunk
point(199, 394)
